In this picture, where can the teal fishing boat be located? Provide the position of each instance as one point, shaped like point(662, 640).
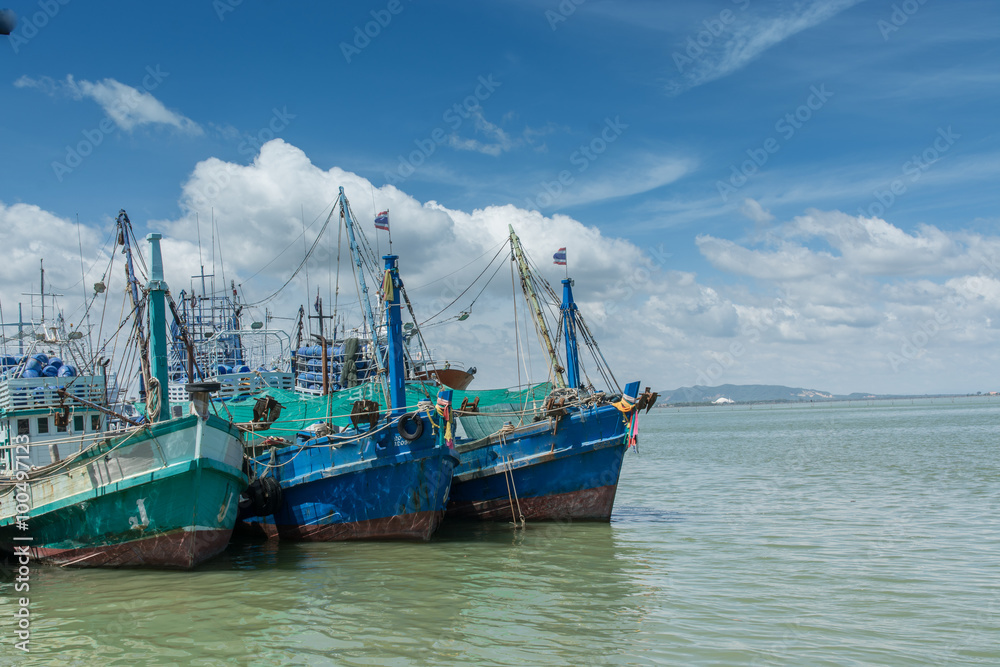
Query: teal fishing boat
point(161, 491)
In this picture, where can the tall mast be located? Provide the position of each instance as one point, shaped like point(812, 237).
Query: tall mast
point(345, 213)
point(124, 234)
point(569, 309)
point(394, 323)
point(529, 291)
point(157, 288)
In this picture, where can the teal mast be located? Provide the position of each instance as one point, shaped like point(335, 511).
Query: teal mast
point(157, 289)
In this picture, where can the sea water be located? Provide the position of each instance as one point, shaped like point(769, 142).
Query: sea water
point(862, 533)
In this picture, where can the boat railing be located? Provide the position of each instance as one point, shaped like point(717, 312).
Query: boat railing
point(436, 364)
point(240, 384)
point(34, 393)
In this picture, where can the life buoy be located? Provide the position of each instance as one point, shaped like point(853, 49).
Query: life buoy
point(418, 429)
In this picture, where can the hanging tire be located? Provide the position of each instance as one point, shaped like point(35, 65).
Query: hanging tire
point(262, 498)
point(404, 429)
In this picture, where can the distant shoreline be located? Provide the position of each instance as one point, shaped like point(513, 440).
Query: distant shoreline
point(866, 399)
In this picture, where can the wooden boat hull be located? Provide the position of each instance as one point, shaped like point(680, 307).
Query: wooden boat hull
point(161, 497)
point(379, 487)
point(453, 378)
point(544, 472)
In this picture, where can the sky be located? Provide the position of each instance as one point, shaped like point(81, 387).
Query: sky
point(749, 191)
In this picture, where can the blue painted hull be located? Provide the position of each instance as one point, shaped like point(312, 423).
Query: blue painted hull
point(371, 486)
point(566, 471)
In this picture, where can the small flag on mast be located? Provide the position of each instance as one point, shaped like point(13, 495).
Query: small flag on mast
point(382, 221)
point(560, 257)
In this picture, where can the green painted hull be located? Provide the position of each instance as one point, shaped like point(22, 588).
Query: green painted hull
point(165, 497)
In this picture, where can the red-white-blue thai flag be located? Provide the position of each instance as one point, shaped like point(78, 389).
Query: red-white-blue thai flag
point(560, 257)
point(382, 221)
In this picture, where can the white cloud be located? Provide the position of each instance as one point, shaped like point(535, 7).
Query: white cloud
point(638, 174)
point(834, 302)
point(752, 209)
point(499, 141)
point(834, 298)
point(128, 107)
point(853, 244)
point(748, 37)
point(30, 235)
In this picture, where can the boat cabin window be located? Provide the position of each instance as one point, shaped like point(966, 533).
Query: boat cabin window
point(78, 423)
point(43, 425)
point(23, 427)
point(95, 422)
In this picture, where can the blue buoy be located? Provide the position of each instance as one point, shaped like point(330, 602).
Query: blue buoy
point(67, 371)
point(50, 371)
point(29, 373)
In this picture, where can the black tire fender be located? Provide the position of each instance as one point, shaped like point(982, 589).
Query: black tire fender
point(402, 427)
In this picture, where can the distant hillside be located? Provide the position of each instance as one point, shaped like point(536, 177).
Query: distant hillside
point(750, 393)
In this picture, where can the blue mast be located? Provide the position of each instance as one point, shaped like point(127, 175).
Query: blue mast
point(569, 309)
point(394, 323)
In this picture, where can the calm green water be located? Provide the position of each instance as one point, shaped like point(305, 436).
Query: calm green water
point(830, 534)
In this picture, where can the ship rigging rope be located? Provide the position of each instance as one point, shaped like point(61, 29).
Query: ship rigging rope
point(470, 287)
point(302, 264)
point(293, 242)
point(153, 400)
point(339, 443)
point(52, 469)
point(437, 280)
point(602, 365)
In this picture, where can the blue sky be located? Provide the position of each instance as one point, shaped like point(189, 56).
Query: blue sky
point(811, 185)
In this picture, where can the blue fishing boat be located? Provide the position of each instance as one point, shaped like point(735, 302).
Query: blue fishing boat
point(163, 492)
point(558, 460)
point(384, 476)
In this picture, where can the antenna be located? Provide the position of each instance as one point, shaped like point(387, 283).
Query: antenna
point(305, 252)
